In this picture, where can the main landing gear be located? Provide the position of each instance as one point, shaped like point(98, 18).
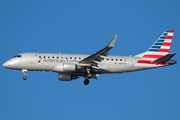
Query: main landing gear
point(88, 75)
point(25, 73)
point(86, 81)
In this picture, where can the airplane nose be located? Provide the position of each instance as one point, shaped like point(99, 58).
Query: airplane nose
point(5, 65)
point(11, 64)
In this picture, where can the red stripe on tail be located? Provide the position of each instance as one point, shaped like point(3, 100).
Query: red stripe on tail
point(171, 31)
point(169, 37)
point(163, 50)
point(166, 44)
point(152, 56)
point(149, 62)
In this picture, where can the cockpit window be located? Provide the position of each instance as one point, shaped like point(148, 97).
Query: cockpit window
point(18, 56)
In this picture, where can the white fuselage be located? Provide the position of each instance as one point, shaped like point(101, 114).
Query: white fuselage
point(49, 62)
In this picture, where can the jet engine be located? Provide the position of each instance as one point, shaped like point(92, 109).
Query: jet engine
point(66, 77)
point(66, 67)
point(69, 67)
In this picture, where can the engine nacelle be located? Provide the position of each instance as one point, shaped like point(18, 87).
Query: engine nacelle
point(66, 67)
point(69, 67)
point(66, 77)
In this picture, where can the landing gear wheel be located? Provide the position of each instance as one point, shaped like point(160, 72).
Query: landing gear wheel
point(86, 81)
point(25, 77)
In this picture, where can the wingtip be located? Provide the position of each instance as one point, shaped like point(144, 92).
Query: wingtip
point(111, 44)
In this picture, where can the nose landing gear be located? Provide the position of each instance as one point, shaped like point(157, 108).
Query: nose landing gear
point(25, 73)
point(25, 77)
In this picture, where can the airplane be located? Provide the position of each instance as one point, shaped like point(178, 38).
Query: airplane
point(73, 66)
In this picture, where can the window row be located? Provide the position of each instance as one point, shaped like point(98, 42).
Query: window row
point(116, 59)
point(59, 57)
point(80, 58)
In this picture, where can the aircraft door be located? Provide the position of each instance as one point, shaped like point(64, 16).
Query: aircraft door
point(31, 58)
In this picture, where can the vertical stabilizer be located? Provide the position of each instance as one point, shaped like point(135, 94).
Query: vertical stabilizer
point(159, 49)
point(163, 43)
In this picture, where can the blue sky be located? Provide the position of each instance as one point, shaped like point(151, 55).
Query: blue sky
point(84, 27)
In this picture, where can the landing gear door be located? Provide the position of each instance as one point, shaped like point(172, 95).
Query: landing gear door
point(31, 58)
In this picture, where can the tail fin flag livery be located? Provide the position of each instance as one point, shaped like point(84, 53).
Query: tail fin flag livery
point(163, 43)
point(158, 50)
point(73, 66)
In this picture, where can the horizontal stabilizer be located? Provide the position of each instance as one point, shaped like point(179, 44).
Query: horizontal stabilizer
point(164, 58)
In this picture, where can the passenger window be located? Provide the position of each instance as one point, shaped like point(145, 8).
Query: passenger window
point(120, 59)
point(48, 57)
point(112, 59)
point(116, 59)
point(61, 57)
point(70, 57)
point(79, 58)
point(107, 59)
point(44, 57)
point(124, 59)
point(57, 57)
point(66, 58)
point(39, 56)
point(75, 58)
point(53, 57)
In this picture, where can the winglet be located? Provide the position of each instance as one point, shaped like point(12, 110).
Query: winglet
point(97, 57)
point(111, 44)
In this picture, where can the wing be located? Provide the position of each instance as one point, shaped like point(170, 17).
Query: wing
point(97, 57)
